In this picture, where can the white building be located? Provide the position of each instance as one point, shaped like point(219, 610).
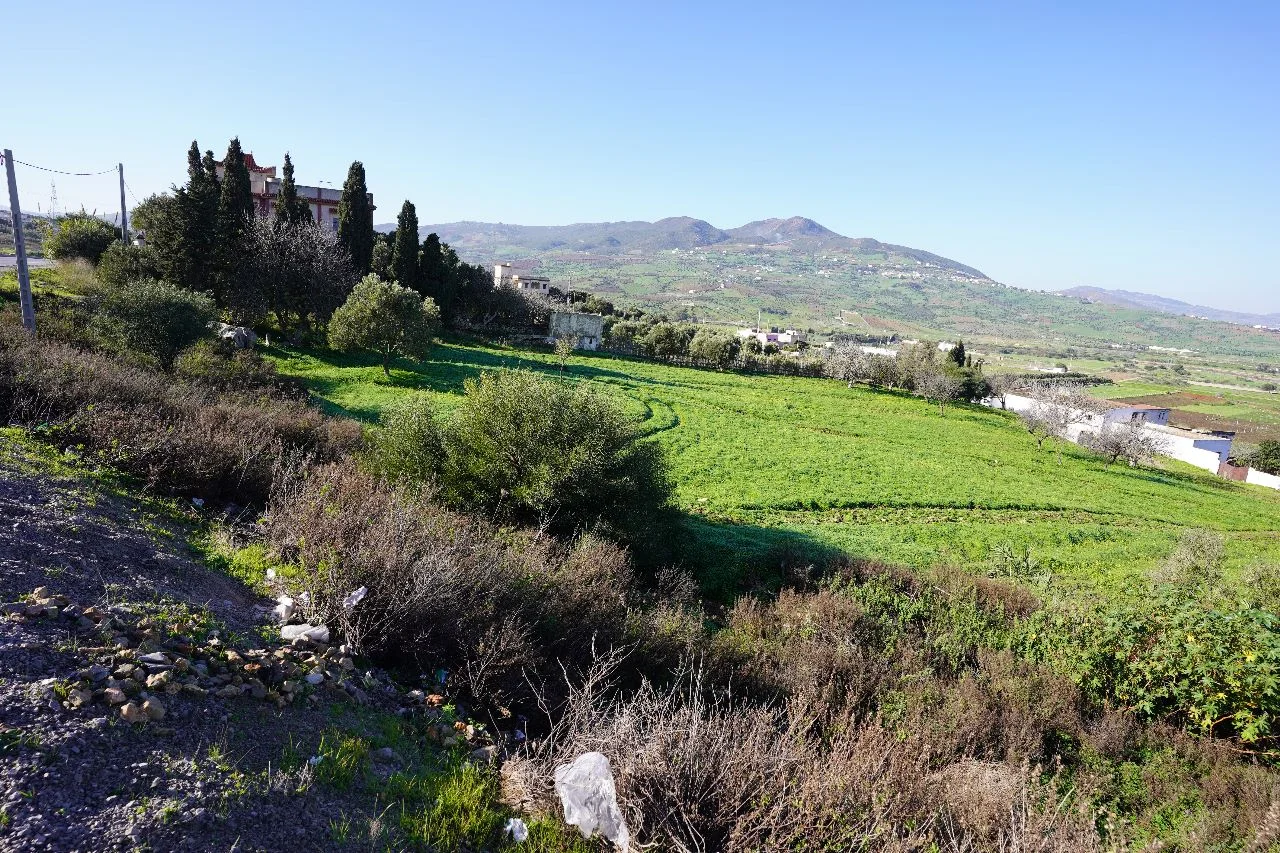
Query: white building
point(505, 276)
point(789, 336)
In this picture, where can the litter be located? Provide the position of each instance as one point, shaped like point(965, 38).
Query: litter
point(284, 609)
point(315, 759)
point(271, 574)
point(354, 598)
point(517, 830)
point(314, 633)
point(590, 799)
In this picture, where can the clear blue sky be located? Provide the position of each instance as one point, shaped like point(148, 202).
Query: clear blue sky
point(1114, 144)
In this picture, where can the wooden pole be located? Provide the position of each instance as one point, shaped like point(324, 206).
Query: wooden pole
point(20, 247)
point(124, 215)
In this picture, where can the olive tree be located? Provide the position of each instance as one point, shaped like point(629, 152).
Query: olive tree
point(1129, 441)
point(938, 386)
point(714, 346)
point(79, 236)
point(386, 318)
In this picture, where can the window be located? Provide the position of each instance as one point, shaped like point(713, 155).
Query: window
point(335, 223)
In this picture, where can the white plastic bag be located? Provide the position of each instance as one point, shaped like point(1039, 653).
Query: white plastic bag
point(284, 608)
point(314, 633)
point(354, 598)
point(590, 799)
point(517, 829)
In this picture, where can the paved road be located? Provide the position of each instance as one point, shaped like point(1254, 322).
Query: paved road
point(11, 262)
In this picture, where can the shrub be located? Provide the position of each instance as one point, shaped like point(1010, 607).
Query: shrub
point(300, 273)
point(219, 364)
point(528, 448)
point(178, 438)
point(152, 318)
point(716, 347)
point(121, 264)
point(407, 446)
point(79, 236)
point(384, 317)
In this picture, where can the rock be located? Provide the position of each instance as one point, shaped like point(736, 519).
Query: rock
point(194, 690)
point(79, 698)
point(153, 709)
point(487, 754)
point(114, 696)
point(124, 670)
point(229, 692)
point(42, 592)
point(315, 678)
point(155, 658)
point(386, 754)
point(133, 713)
point(97, 672)
point(159, 680)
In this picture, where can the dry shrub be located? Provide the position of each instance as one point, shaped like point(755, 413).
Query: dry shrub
point(446, 588)
point(182, 439)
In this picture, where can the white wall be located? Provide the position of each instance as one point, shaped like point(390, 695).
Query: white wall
point(1260, 478)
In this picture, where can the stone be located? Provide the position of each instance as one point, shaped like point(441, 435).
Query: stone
point(114, 696)
point(79, 698)
point(194, 690)
point(42, 592)
point(124, 670)
point(98, 672)
point(159, 658)
point(315, 678)
point(133, 713)
point(153, 709)
point(229, 692)
point(486, 754)
point(159, 680)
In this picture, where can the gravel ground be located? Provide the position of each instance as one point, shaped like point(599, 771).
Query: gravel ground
point(84, 779)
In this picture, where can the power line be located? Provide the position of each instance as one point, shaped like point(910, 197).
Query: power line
point(130, 189)
point(60, 172)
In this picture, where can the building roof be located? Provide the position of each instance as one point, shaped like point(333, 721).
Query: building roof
point(1139, 407)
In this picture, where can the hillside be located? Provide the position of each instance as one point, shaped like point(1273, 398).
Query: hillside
point(1163, 304)
point(796, 273)
point(770, 465)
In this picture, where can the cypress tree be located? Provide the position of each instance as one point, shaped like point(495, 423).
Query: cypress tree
point(957, 354)
point(433, 269)
point(235, 210)
point(404, 253)
point(191, 258)
point(289, 209)
point(355, 218)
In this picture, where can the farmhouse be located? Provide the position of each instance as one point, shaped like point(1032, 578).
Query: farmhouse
point(788, 336)
point(585, 330)
point(1135, 412)
point(505, 276)
point(265, 186)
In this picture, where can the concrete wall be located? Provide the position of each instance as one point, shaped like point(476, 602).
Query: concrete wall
point(1260, 478)
point(586, 330)
point(1124, 414)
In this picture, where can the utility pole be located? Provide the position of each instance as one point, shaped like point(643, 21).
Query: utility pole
point(20, 247)
point(124, 216)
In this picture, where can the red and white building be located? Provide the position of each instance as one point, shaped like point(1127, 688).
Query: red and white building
point(265, 186)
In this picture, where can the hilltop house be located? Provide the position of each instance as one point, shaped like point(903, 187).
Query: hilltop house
point(265, 186)
point(536, 285)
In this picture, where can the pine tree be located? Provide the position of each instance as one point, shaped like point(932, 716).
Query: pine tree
point(404, 253)
point(355, 218)
point(289, 209)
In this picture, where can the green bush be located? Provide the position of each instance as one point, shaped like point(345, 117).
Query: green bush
point(218, 364)
point(714, 346)
point(384, 317)
point(121, 264)
point(528, 448)
point(152, 319)
point(80, 236)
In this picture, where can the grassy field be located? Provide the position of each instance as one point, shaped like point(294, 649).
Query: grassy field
point(771, 466)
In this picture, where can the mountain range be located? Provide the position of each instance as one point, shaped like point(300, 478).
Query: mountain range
point(1165, 305)
point(673, 233)
point(795, 273)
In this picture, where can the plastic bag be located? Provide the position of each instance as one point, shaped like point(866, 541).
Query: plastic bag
point(354, 598)
point(590, 799)
point(314, 633)
point(284, 608)
point(517, 829)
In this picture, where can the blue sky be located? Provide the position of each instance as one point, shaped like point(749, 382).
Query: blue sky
point(1120, 145)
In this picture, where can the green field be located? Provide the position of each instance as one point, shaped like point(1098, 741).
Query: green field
point(767, 466)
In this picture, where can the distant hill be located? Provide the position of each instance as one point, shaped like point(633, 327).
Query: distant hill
point(1165, 305)
point(489, 240)
point(795, 273)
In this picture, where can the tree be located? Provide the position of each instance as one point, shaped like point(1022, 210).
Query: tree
point(847, 363)
point(1057, 408)
point(957, 355)
point(404, 254)
point(355, 218)
point(1267, 457)
point(1004, 384)
point(152, 319)
point(235, 213)
point(381, 263)
point(79, 235)
point(714, 346)
point(1128, 440)
point(435, 281)
point(384, 317)
point(289, 208)
point(563, 349)
point(666, 340)
point(939, 386)
point(298, 272)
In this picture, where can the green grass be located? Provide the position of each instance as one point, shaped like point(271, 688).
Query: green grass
point(769, 466)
